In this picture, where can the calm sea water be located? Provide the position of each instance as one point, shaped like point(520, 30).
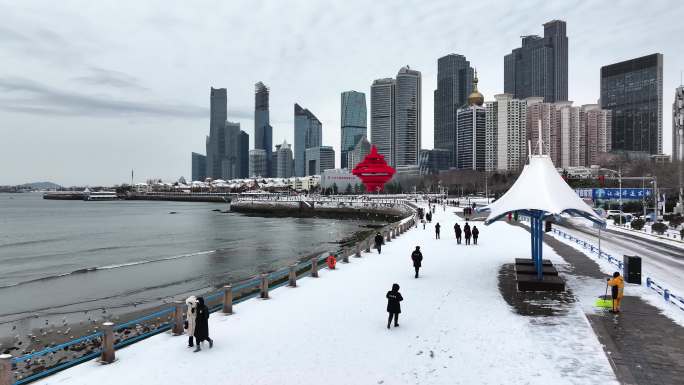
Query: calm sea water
point(73, 257)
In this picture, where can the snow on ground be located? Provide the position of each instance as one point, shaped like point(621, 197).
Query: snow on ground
point(672, 240)
point(649, 295)
point(455, 327)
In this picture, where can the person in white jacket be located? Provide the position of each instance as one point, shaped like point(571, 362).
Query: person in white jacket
point(190, 319)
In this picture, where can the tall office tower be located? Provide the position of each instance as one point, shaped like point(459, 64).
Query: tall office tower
point(354, 122)
point(284, 161)
point(263, 132)
point(319, 159)
point(471, 132)
point(633, 90)
point(359, 153)
point(678, 125)
point(199, 167)
point(546, 114)
point(595, 124)
point(215, 141)
point(408, 117)
point(572, 140)
point(506, 133)
point(230, 166)
point(243, 154)
point(257, 163)
point(382, 117)
point(454, 84)
point(308, 134)
point(540, 66)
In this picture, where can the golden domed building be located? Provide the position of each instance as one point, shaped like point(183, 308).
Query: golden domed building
point(471, 132)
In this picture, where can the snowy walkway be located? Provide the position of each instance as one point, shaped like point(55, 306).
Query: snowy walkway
point(455, 328)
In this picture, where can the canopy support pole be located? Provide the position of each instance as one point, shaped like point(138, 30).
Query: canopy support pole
point(537, 230)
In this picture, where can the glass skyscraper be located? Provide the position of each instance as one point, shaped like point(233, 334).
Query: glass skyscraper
point(454, 84)
point(199, 167)
point(263, 132)
point(353, 121)
point(540, 66)
point(633, 91)
point(243, 154)
point(308, 132)
point(382, 117)
point(215, 144)
point(407, 121)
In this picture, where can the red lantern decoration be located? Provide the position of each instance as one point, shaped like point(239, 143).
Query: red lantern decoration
point(373, 171)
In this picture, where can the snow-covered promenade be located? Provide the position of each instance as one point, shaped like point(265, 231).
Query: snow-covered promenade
point(455, 327)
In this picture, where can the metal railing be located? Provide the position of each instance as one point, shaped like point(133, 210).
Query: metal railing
point(103, 343)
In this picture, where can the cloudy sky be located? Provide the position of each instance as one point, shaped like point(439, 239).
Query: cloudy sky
point(92, 89)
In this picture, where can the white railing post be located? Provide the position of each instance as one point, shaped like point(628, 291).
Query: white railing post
point(263, 286)
point(228, 299)
point(108, 356)
point(293, 275)
point(6, 375)
point(178, 318)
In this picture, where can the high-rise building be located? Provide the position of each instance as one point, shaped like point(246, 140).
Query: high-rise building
point(319, 159)
point(471, 132)
point(540, 66)
point(353, 121)
point(215, 144)
point(359, 153)
point(263, 132)
point(595, 124)
point(678, 125)
point(546, 114)
point(407, 121)
point(199, 167)
point(431, 162)
point(572, 140)
point(284, 161)
point(382, 117)
point(230, 166)
point(257, 163)
point(243, 155)
point(506, 133)
point(633, 91)
point(308, 134)
point(454, 84)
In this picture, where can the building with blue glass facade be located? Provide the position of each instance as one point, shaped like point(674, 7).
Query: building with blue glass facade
point(353, 123)
point(308, 132)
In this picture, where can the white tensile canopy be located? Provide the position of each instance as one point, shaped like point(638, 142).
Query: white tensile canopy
point(540, 188)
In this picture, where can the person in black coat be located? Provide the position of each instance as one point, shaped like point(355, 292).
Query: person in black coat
point(394, 299)
point(417, 258)
point(476, 233)
point(378, 242)
point(457, 230)
point(437, 227)
point(467, 233)
point(202, 325)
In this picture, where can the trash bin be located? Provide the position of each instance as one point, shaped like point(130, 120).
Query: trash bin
point(632, 269)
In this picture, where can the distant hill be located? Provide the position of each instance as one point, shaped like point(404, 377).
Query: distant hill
point(41, 185)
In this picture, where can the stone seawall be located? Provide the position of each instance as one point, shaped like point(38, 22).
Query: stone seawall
point(304, 209)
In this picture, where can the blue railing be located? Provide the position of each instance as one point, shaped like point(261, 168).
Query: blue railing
point(168, 324)
point(650, 283)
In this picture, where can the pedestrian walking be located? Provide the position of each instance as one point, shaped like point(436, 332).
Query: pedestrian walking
point(617, 291)
point(437, 227)
point(202, 325)
point(190, 318)
point(378, 242)
point(475, 233)
point(428, 216)
point(423, 222)
point(417, 258)
point(467, 233)
point(458, 231)
point(394, 299)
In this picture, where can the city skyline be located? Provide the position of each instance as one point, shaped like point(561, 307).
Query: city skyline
point(148, 106)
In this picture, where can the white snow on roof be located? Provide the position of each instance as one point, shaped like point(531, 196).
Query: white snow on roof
point(540, 187)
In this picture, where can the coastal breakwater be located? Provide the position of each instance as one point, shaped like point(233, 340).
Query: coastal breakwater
point(386, 210)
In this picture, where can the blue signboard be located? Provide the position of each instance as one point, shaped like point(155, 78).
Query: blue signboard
point(614, 193)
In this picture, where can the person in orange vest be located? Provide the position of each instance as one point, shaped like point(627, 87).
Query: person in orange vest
point(331, 262)
point(617, 290)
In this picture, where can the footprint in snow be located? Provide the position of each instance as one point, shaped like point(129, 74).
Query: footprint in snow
point(432, 354)
point(419, 353)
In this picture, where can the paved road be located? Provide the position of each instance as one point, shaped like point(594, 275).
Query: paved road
point(663, 262)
